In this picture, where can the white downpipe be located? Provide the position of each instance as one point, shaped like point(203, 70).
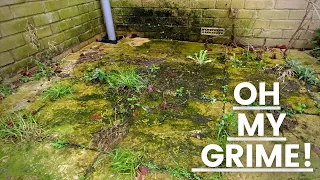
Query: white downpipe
point(106, 8)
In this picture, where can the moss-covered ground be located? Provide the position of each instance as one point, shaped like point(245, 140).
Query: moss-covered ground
point(169, 123)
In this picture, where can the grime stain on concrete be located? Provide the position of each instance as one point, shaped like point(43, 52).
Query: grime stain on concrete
point(175, 118)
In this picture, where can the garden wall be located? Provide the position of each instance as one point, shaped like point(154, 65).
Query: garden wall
point(260, 22)
point(64, 23)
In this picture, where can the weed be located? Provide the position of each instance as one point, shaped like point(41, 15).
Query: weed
point(43, 71)
point(289, 111)
point(285, 72)
point(132, 103)
point(153, 68)
point(316, 50)
point(224, 95)
point(96, 75)
point(247, 56)
point(207, 98)
point(152, 166)
point(57, 91)
point(5, 90)
point(130, 99)
point(59, 144)
point(51, 50)
point(304, 73)
point(32, 34)
point(256, 104)
point(260, 64)
point(125, 79)
point(216, 177)
point(226, 126)
point(125, 161)
point(299, 109)
point(99, 75)
point(182, 173)
point(46, 56)
point(201, 59)
point(179, 172)
point(235, 62)
point(20, 126)
point(179, 92)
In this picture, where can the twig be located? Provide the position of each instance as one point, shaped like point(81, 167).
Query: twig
point(308, 9)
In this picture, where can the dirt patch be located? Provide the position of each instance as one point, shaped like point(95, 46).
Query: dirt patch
point(148, 61)
point(138, 41)
point(288, 124)
point(316, 149)
point(89, 56)
point(291, 85)
point(95, 53)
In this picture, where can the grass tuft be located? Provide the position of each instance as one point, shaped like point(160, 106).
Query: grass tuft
point(5, 90)
point(126, 79)
point(125, 161)
point(20, 127)
point(57, 91)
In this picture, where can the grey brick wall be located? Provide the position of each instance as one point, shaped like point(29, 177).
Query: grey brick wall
point(66, 23)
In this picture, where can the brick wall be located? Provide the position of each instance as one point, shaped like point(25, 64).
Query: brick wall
point(66, 23)
point(259, 22)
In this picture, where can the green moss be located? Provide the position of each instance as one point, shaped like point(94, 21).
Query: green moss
point(293, 100)
point(170, 130)
point(41, 161)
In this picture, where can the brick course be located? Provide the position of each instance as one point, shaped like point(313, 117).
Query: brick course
point(66, 23)
point(70, 23)
point(259, 21)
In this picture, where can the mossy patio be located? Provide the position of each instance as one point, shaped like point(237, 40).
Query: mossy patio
point(166, 123)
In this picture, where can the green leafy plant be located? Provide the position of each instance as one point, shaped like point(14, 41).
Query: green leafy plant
point(207, 98)
point(42, 71)
point(260, 64)
point(126, 79)
point(182, 173)
point(96, 75)
point(21, 127)
point(59, 144)
point(316, 50)
point(5, 90)
point(179, 92)
point(99, 75)
point(304, 73)
point(153, 68)
point(226, 125)
point(57, 91)
point(125, 161)
point(224, 95)
point(247, 55)
point(133, 102)
point(300, 107)
point(201, 59)
point(235, 62)
point(288, 110)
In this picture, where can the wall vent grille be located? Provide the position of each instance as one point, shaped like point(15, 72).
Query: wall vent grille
point(211, 31)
